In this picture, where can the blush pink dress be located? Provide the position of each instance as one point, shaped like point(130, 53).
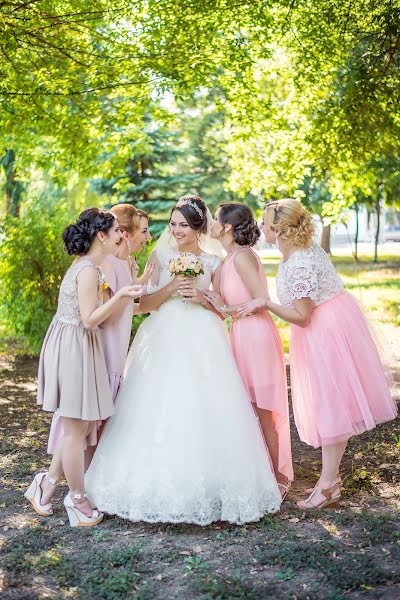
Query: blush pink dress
point(115, 337)
point(259, 355)
point(339, 387)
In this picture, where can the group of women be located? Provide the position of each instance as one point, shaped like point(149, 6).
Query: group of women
point(197, 430)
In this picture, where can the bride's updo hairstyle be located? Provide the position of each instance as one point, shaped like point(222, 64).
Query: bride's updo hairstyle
point(244, 227)
point(291, 221)
point(194, 210)
point(79, 236)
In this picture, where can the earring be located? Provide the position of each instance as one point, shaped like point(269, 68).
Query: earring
point(104, 242)
point(128, 243)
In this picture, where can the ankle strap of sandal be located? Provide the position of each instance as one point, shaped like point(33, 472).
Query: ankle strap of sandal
point(78, 496)
point(52, 479)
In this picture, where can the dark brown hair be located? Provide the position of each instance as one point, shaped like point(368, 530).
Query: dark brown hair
point(244, 227)
point(79, 236)
point(196, 221)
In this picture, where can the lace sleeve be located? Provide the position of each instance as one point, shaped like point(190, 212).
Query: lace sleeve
point(302, 281)
point(154, 280)
point(212, 262)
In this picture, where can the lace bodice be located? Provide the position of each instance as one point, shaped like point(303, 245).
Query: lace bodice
point(68, 305)
point(161, 276)
point(308, 273)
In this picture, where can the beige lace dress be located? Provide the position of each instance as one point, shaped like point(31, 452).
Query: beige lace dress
point(72, 371)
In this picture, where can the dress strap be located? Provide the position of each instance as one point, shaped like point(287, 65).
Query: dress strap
point(100, 277)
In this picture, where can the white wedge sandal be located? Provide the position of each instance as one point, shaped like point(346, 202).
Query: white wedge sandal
point(34, 494)
point(76, 517)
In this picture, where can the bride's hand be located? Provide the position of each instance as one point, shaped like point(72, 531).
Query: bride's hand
point(130, 291)
point(189, 291)
point(214, 299)
point(177, 282)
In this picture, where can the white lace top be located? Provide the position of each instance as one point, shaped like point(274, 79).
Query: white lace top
point(308, 273)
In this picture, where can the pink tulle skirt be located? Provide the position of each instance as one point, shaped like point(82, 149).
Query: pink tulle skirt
point(339, 386)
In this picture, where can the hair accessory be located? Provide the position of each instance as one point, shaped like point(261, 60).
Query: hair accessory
point(184, 201)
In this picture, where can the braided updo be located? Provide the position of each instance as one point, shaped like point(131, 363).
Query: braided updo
point(196, 217)
point(244, 227)
point(291, 221)
point(79, 236)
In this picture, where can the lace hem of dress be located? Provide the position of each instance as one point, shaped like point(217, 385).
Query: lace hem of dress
point(238, 510)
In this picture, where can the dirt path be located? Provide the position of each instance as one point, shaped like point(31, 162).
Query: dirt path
point(353, 552)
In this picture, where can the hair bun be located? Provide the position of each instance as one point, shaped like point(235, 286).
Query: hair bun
point(79, 236)
point(77, 239)
point(246, 233)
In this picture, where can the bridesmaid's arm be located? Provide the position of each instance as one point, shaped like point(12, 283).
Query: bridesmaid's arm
point(92, 314)
point(299, 315)
point(248, 266)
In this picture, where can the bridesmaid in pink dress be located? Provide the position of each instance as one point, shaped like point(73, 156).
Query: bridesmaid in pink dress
point(255, 340)
point(339, 388)
point(119, 270)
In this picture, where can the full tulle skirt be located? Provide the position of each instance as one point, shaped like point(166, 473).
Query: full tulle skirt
point(184, 444)
point(339, 386)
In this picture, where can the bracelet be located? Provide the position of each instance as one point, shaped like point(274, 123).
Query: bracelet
point(223, 309)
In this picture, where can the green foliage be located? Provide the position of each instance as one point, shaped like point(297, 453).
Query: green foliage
point(32, 264)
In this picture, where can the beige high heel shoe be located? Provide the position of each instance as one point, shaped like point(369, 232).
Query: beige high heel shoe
point(286, 488)
point(34, 494)
point(331, 499)
point(76, 517)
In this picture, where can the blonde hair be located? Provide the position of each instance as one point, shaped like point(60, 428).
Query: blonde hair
point(291, 221)
point(128, 217)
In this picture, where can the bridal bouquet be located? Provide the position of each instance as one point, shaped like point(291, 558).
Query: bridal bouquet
point(186, 264)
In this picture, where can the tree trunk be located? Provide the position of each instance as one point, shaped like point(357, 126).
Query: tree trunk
point(378, 228)
point(326, 238)
point(13, 186)
point(357, 209)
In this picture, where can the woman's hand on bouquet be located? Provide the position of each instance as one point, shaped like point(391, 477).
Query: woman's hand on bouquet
point(189, 291)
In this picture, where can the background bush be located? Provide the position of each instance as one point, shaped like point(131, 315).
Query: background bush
point(32, 265)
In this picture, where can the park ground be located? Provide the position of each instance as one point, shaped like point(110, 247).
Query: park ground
point(352, 552)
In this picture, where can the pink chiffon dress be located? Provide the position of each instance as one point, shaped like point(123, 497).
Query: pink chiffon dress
point(258, 351)
point(114, 336)
point(339, 386)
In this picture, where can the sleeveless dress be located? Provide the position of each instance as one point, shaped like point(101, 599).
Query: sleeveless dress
point(259, 355)
point(72, 372)
point(115, 338)
point(184, 444)
point(339, 388)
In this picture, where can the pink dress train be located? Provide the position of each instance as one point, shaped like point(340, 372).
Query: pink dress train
point(258, 351)
point(115, 339)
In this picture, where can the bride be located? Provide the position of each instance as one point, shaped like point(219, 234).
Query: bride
point(184, 444)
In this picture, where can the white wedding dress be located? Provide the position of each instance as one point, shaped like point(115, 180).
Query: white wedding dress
point(184, 444)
